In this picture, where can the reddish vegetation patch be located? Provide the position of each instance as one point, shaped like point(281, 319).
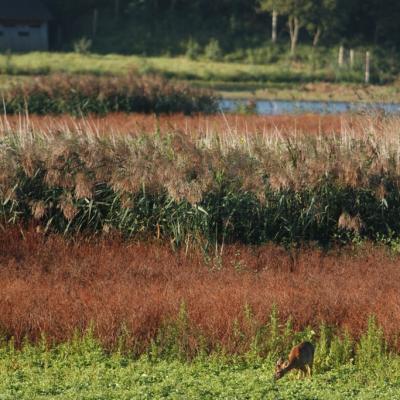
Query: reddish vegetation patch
point(52, 286)
point(242, 124)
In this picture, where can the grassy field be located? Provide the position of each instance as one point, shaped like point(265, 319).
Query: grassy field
point(284, 80)
point(136, 251)
point(179, 67)
point(85, 372)
point(322, 91)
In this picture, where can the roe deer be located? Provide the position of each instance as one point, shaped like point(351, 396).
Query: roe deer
point(301, 357)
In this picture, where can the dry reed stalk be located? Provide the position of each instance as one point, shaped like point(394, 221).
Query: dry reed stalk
point(121, 123)
point(75, 164)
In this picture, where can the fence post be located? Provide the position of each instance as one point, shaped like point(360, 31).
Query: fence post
point(367, 66)
point(274, 26)
point(351, 58)
point(341, 56)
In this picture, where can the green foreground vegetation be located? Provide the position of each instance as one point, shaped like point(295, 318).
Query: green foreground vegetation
point(82, 369)
point(66, 374)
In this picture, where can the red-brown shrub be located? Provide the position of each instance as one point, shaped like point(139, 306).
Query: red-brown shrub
point(53, 286)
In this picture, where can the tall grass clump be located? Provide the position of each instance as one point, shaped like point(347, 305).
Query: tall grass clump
point(62, 93)
point(222, 188)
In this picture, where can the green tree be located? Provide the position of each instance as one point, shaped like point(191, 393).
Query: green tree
point(275, 7)
point(321, 17)
point(272, 6)
point(296, 12)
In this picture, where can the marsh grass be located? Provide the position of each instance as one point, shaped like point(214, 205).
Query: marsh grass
point(80, 95)
point(227, 187)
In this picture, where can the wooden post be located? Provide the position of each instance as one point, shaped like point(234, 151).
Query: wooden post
point(95, 21)
point(367, 66)
point(351, 58)
point(341, 56)
point(274, 26)
point(294, 28)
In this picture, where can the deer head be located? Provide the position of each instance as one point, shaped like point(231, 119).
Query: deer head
point(280, 367)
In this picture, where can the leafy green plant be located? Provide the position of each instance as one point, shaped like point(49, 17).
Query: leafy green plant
point(9, 66)
point(193, 49)
point(371, 350)
point(82, 45)
point(82, 370)
point(213, 50)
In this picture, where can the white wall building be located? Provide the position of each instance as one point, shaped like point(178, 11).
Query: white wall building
point(23, 25)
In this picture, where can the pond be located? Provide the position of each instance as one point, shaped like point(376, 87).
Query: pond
point(276, 107)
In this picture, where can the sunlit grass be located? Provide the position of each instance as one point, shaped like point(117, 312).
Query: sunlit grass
point(282, 79)
point(178, 67)
point(82, 370)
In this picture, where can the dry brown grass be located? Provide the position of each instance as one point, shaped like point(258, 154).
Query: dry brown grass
point(122, 123)
point(363, 152)
point(52, 286)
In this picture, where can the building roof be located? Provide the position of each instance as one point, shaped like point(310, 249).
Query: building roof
point(24, 10)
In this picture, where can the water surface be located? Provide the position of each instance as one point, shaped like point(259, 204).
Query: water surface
point(276, 107)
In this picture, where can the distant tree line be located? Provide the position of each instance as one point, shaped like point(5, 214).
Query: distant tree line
point(246, 22)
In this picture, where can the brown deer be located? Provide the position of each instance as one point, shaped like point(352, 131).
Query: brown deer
point(301, 357)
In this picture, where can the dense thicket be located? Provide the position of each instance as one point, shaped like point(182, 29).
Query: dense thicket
point(159, 26)
point(80, 95)
point(216, 189)
point(183, 303)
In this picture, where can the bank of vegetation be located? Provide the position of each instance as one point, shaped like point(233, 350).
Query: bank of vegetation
point(257, 70)
point(185, 303)
point(223, 188)
point(81, 95)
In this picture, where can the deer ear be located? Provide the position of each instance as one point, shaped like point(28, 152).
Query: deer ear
point(280, 362)
point(285, 364)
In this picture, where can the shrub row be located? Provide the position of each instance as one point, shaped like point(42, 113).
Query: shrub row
point(190, 300)
point(249, 190)
point(57, 94)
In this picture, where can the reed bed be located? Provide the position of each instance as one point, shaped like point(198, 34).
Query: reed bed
point(149, 298)
point(81, 95)
point(206, 187)
point(193, 125)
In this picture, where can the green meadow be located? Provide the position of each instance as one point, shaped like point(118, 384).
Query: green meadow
point(84, 371)
point(283, 79)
